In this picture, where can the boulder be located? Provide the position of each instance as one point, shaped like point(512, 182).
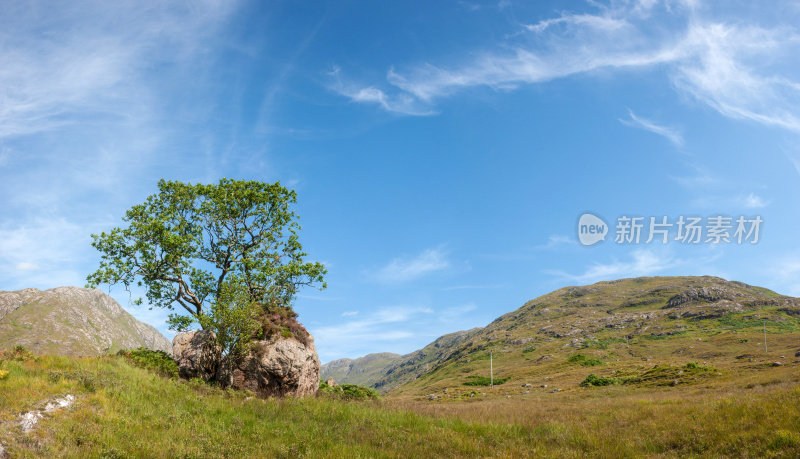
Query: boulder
point(197, 354)
point(275, 367)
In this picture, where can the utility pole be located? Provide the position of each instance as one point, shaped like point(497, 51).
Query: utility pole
point(491, 371)
point(765, 336)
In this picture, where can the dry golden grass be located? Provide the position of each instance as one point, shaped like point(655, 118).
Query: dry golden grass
point(763, 420)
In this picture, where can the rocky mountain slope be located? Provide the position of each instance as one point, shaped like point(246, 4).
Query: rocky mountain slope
point(630, 321)
point(72, 321)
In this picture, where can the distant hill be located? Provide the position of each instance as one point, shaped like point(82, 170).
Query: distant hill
point(72, 321)
point(364, 371)
point(660, 319)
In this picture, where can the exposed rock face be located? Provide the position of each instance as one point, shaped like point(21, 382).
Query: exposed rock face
point(197, 354)
point(283, 367)
point(72, 321)
point(702, 294)
point(276, 367)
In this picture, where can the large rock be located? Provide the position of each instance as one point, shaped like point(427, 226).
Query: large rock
point(197, 354)
point(277, 367)
point(282, 367)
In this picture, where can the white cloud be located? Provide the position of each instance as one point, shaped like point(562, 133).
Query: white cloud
point(603, 23)
point(787, 272)
point(671, 134)
point(349, 313)
point(642, 262)
point(405, 269)
point(455, 314)
point(63, 75)
point(796, 163)
point(725, 65)
point(721, 70)
point(398, 103)
point(386, 325)
point(700, 178)
point(555, 241)
point(753, 201)
point(84, 92)
point(473, 287)
point(48, 248)
point(26, 266)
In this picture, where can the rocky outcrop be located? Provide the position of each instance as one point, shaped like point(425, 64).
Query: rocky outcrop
point(72, 321)
point(702, 295)
point(278, 367)
point(197, 354)
point(283, 367)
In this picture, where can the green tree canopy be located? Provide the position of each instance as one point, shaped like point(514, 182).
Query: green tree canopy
point(186, 243)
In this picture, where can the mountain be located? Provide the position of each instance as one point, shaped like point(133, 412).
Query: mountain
point(616, 325)
point(385, 371)
point(72, 321)
point(364, 371)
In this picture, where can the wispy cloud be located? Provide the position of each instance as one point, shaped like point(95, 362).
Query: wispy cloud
point(753, 201)
point(724, 67)
point(723, 64)
point(349, 313)
point(596, 22)
point(389, 324)
point(473, 287)
point(404, 269)
point(41, 252)
point(455, 314)
point(94, 66)
point(26, 266)
point(642, 262)
point(397, 103)
point(700, 177)
point(671, 134)
point(787, 272)
point(80, 117)
point(555, 241)
point(796, 163)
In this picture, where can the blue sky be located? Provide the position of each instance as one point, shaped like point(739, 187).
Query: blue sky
point(442, 151)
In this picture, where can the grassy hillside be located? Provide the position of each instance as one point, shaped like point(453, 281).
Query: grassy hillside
point(623, 330)
point(125, 411)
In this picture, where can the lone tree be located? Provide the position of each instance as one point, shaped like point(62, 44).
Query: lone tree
point(227, 255)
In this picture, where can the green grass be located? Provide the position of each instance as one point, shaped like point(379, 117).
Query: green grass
point(476, 380)
point(595, 381)
point(584, 360)
point(347, 391)
point(744, 321)
point(602, 343)
point(157, 361)
point(128, 411)
point(658, 375)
